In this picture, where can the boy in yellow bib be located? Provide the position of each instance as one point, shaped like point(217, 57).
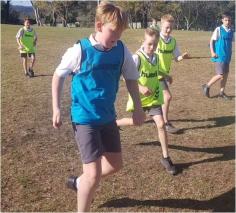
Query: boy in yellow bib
point(167, 49)
point(150, 91)
point(26, 39)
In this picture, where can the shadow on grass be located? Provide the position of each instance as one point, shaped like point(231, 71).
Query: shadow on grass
point(41, 75)
point(218, 96)
point(224, 153)
point(218, 122)
point(222, 203)
point(198, 57)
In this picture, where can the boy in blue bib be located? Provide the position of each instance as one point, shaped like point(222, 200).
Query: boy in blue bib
point(97, 63)
point(221, 51)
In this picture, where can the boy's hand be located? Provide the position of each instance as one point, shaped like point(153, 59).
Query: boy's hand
point(145, 90)
point(138, 117)
point(213, 55)
point(185, 55)
point(56, 119)
point(21, 47)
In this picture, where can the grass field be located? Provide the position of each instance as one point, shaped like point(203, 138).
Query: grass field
point(36, 159)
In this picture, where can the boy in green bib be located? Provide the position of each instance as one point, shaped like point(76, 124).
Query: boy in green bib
point(151, 94)
point(167, 49)
point(26, 39)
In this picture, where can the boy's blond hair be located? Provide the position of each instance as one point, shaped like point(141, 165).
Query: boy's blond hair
point(107, 12)
point(152, 32)
point(168, 18)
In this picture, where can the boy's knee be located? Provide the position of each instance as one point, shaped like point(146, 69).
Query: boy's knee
point(93, 178)
point(160, 125)
point(168, 97)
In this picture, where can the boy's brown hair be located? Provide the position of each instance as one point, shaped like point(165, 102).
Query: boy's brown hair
point(152, 32)
point(168, 18)
point(107, 12)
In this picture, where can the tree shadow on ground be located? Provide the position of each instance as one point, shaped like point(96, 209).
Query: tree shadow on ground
point(222, 203)
point(218, 96)
point(224, 153)
point(217, 122)
point(41, 75)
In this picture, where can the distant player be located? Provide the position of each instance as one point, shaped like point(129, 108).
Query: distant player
point(221, 51)
point(27, 39)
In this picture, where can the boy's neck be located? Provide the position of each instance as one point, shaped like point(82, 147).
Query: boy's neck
point(165, 37)
point(97, 39)
point(150, 55)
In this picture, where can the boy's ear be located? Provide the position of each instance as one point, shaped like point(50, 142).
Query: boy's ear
point(98, 26)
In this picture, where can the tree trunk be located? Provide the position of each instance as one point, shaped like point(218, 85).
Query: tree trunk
point(36, 13)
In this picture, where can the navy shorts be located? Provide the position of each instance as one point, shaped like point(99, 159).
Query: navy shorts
point(164, 84)
point(221, 68)
point(24, 55)
point(94, 140)
point(154, 110)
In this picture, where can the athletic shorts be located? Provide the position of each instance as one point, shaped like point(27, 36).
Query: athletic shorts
point(221, 68)
point(24, 55)
point(164, 84)
point(154, 110)
point(94, 140)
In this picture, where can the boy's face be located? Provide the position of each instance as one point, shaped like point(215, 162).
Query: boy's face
point(150, 44)
point(108, 35)
point(27, 24)
point(226, 21)
point(166, 28)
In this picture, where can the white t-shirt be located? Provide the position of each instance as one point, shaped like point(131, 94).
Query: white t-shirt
point(176, 51)
point(216, 34)
point(20, 32)
point(71, 61)
point(137, 59)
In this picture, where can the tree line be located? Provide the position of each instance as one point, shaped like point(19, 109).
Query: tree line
point(189, 15)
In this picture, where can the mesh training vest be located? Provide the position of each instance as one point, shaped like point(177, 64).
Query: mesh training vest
point(149, 78)
point(223, 46)
point(165, 52)
point(28, 41)
point(94, 86)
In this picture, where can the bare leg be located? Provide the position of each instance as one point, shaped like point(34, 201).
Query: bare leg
point(214, 79)
point(166, 105)
point(32, 61)
point(108, 164)
point(89, 181)
point(24, 61)
point(223, 82)
point(162, 134)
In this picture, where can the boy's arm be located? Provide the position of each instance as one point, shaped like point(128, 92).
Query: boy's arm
point(212, 43)
point(57, 85)
point(138, 114)
point(178, 56)
point(18, 37)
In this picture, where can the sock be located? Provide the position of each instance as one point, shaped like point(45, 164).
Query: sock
point(77, 182)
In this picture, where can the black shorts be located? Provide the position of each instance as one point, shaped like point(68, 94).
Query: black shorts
point(221, 68)
point(24, 55)
point(93, 141)
point(154, 110)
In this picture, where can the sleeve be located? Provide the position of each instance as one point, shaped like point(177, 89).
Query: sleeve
point(216, 34)
point(136, 60)
point(70, 61)
point(176, 51)
point(20, 33)
point(129, 69)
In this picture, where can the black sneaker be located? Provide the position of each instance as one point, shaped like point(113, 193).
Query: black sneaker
point(224, 96)
point(71, 182)
point(170, 128)
point(31, 73)
point(206, 90)
point(168, 165)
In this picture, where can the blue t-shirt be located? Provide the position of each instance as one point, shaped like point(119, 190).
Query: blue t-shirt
point(223, 46)
point(95, 85)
